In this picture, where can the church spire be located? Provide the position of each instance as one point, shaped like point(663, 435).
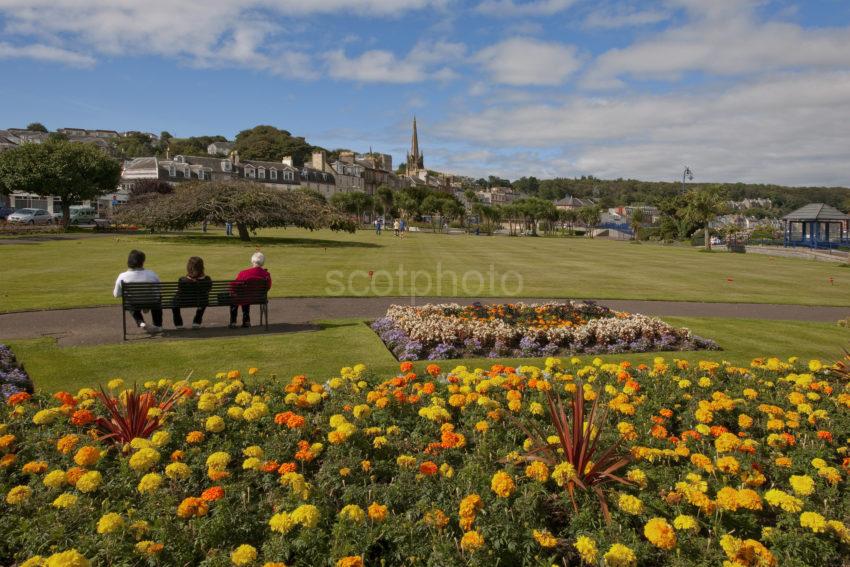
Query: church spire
point(414, 144)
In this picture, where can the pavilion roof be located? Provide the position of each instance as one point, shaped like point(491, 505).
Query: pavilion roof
point(816, 212)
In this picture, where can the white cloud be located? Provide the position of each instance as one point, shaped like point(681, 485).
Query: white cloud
point(424, 61)
point(789, 129)
point(514, 8)
point(614, 17)
point(723, 39)
point(250, 33)
point(526, 61)
point(41, 52)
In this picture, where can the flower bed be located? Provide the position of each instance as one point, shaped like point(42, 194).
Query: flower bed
point(436, 332)
point(13, 378)
point(724, 465)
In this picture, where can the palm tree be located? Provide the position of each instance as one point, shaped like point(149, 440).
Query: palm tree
point(569, 216)
point(702, 207)
point(638, 218)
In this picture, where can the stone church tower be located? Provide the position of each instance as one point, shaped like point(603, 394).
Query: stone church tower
point(415, 159)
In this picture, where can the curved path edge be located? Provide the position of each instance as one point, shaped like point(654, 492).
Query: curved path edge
point(102, 325)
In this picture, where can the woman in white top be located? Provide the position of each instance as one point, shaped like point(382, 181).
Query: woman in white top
point(138, 273)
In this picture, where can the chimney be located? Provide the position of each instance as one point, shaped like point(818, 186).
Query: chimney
point(234, 157)
point(319, 160)
point(287, 160)
point(346, 157)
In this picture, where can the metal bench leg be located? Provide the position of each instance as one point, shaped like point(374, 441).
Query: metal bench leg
point(124, 321)
point(266, 311)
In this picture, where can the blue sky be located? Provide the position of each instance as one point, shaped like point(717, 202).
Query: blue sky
point(749, 90)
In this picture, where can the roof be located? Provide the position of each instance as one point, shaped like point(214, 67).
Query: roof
point(570, 201)
point(816, 212)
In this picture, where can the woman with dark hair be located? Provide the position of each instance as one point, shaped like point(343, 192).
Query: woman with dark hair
point(192, 289)
point(136, 274)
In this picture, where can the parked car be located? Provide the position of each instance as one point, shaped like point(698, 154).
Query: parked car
point(80, 214)
point(5, 212)
point(30, 216)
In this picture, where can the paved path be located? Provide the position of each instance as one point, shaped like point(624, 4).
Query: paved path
point(102, 325)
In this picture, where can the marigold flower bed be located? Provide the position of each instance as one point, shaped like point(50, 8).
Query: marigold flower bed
point(445, 331)
point(728, 466)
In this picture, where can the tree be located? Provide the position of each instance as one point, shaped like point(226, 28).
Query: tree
point(569, 216)
point(37, 127)
point(272, 144)
point(590, 216)
point(431, 205)
point(248, 205)
point(72, 171)
point(192, 146)
point(637, 219)
point(354, 203)
point(385, 197)
point(145, 187)
point(136, 145)
point(701, 207)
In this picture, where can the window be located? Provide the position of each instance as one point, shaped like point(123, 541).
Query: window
point(250, 172)
point(187, 173)
point(261, 173)
point(172, 171)
point(225, 165)
point(179, 159)
point(273, 174)
point(201, 174)
point(288, 176)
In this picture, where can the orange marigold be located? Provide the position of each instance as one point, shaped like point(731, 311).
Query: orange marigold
point(82, 417)
point(212, 494)
point(428, 468)
point(18, 398)
point(192, 507)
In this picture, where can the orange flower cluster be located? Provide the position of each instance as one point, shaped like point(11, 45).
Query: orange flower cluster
point(290, 420)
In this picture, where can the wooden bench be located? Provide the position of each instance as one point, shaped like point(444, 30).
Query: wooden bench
point(168, 295)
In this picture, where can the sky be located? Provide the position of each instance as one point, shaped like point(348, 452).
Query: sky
point(739, 90)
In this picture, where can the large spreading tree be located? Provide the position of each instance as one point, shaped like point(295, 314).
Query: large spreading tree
point(247, 205)
point(72, 171)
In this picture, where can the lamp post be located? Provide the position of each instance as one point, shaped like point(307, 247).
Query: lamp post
point(687, 174)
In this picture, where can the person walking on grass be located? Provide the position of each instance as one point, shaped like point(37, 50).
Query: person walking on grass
point(138, 274)
point(395, 227)
point(255, 277)
point(192, 289)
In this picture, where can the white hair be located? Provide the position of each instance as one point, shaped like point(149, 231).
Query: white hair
point(258, 259)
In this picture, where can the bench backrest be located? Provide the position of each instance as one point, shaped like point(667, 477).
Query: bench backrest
point(193, 294)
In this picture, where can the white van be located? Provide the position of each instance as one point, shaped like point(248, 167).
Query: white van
point(80, 214)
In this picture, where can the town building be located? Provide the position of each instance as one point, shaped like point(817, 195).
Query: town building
point(572, 203)
point(221, 148)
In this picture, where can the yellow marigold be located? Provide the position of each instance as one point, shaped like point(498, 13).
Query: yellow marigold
point(544, 538)
point(630, 504)
point(436, 518)
point(307, 515)
point(726, 442)
point(149, 483)
point(746, 552)
point(214, 424)
point(67, 443)
point(638, 477)
point(587, 549)
point(618, 555)
point(727, 498)
point(831, 474)
point(783, 462)
point(352, 512)
point(405, 461)
point(178, 471)
point(350, 561)
point(502, 484)
point(160, 438)
point(660, 533)
point(813, 521)
point(802, 485)
point(685, 523)
point(377, 512)
point(749, 499)
point(563, 474)
point(110, 523)
point(87, 456)
point(729, 465)
point(144, 459)
point(282, 523)
point(65, 500)
point(537, 471)
point(218, 460)
point(70, 558)
point(471, 541)
point(89, 482)
point(54, 479)
point(780, 499)
point(45, 416)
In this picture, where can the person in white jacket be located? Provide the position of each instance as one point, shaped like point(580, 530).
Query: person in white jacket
point(138, 273)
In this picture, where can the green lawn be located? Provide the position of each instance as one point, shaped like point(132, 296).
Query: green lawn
point(73, 273)
point(321, 354)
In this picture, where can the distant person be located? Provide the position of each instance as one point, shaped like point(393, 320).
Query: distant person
point(193, 289)
point(378, 227)
point(204, 226)
point(138, 274)
point(396, 226)
point(402, 226)
point(256, 275)
point(228, 229)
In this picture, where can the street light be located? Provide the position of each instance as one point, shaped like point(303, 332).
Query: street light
point(687, 174)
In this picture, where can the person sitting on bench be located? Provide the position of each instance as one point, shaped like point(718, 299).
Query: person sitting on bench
point(193, 289)
point(138, 273)
point(256, 277)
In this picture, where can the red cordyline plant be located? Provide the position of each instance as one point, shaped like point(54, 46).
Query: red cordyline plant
point(594, 465)
point(128, 415)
